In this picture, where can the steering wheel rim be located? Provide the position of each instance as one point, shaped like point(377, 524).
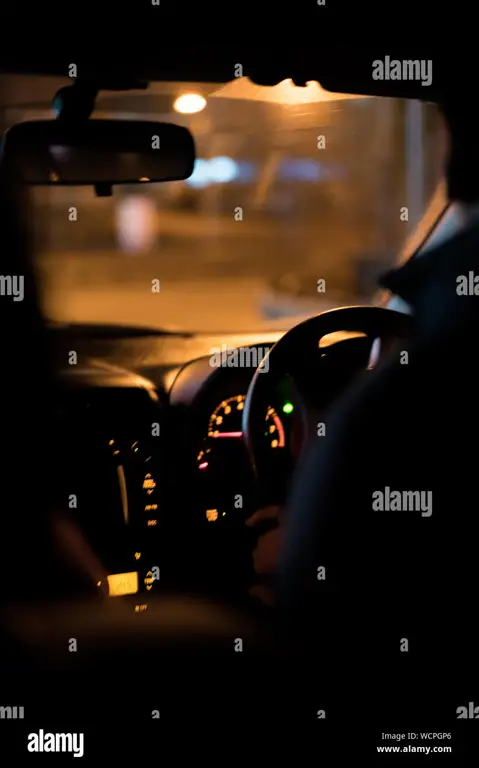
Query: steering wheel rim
point(301, 340)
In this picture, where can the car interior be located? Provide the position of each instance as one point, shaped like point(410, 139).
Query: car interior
point(171, 394)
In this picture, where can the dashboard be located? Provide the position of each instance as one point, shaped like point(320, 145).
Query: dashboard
point(108, 425)
point(157, 468)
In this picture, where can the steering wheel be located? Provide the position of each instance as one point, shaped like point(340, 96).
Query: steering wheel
point(297, 356)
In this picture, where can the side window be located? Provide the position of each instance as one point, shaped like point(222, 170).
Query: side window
point(447, 226)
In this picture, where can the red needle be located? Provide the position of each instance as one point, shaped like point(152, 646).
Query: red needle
point(228, 434)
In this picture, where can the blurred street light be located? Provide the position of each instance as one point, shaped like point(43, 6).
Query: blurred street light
point(189, 103)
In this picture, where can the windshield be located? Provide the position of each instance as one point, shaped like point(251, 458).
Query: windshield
point(298, 200)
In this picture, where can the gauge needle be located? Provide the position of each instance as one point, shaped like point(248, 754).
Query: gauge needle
point(228, 434)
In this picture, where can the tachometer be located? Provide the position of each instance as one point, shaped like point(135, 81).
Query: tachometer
point(274, 429)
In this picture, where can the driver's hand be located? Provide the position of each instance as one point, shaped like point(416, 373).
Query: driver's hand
point(75, 550)
point(265, 555)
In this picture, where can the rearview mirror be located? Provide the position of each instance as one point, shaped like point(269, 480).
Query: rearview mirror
point(98, 152)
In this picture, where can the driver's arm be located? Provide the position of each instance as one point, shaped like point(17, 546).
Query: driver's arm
point(296, 540)
point(326, 564)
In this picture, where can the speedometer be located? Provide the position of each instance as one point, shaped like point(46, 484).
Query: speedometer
point(225, 423)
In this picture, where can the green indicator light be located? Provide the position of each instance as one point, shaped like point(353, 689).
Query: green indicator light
point(288, 407)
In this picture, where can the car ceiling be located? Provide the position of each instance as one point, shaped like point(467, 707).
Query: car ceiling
point(340, 69)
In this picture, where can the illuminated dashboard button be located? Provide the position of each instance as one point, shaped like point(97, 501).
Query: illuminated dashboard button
point(123, 584)
point(149, 580)
point(211, 515)
point(149, 482)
